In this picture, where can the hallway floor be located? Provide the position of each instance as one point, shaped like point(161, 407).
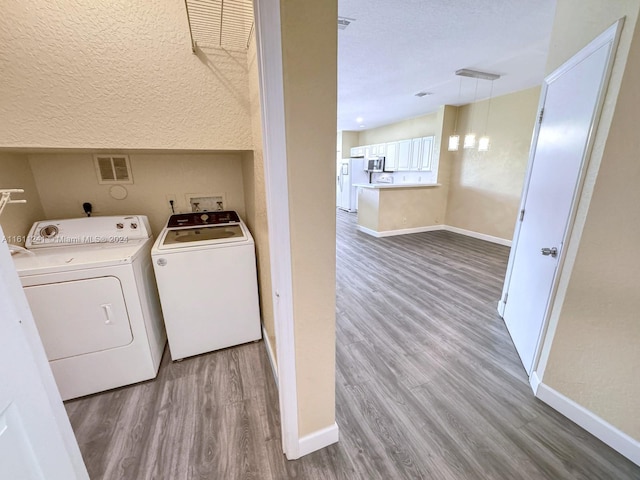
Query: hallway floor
point(428, 385)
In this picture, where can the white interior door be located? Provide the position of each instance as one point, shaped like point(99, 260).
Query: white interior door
point(571, 103)
point(36, 440)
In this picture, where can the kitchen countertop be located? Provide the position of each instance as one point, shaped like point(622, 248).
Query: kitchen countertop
point(397, 185)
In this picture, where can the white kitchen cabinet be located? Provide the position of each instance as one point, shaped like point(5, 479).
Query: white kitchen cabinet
point(377, 150)
point(357, 152)
point(416, 154)
point(391, 156)
point(426, 153)
point(404, 155)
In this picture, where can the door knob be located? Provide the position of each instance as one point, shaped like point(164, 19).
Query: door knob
point(553, 252)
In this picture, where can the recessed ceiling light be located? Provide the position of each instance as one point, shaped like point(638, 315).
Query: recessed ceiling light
point(344, 22)
point(359, 119)
point(423, 94)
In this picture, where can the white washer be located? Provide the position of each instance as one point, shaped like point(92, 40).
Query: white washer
point(90, 285)
point(205, 267)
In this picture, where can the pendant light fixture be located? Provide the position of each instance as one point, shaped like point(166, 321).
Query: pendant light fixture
point(470, 137)
point(483, 143)
point(454, 140)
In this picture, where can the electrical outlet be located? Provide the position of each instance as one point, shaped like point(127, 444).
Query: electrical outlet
point(172, 198)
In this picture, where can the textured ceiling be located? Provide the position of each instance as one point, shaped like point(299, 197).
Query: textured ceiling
point(397, 48)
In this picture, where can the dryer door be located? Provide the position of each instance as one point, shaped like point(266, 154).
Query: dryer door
point(80, 316)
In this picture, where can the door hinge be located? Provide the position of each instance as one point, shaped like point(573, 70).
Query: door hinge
point(506, 295)
point(540, 116)
point(521, 214)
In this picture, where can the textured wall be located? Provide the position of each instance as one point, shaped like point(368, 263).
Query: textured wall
point(309, 49)
point(116, 74)
point(485, 187)
point(66, 180)
point(409, 208)
point(256, 200)
point(369, 208)
point(591, 354)
point(411, 128)
point(16, 220)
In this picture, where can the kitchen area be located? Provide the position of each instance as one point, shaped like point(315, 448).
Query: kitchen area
point(397, 185)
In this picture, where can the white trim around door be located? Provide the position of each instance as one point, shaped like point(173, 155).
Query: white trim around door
point(269, 50)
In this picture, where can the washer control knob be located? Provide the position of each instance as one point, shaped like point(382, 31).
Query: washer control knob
point(119, 226)
point(161, 262)
point(49, 231)
point(134, 225)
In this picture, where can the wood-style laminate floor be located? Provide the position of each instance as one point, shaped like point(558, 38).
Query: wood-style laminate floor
point(429, 386)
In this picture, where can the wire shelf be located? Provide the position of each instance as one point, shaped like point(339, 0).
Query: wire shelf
point(220, 23)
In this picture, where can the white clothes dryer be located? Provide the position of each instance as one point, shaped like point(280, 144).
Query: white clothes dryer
point(90, 285)
point(205, 267)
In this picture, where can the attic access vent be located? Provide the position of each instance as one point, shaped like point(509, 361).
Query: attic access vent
point(113, 169)
point(344, 22)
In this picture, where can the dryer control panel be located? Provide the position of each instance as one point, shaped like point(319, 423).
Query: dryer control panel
point(88, 230)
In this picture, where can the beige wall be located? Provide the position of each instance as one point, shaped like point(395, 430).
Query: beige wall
point(447, 116)
point(369, 208)
point(485, 187)
point(66, 180)
point(348, 140)
point(116, 74)
point(422, 126)
point(309, 49)
point(256, 200)
point(591, 354)
point(409, 208)
point(16, 220)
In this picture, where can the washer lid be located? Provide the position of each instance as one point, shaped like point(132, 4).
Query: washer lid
point(209, 235)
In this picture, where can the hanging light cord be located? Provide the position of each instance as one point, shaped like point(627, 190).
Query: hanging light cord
point(455, 126)
point(475, 96)
point(486, 122)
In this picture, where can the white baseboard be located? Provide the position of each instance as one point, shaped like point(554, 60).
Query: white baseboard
point(404, 231)
point(481, 236)
point(433, 228)
point(616, 439)
point(317, 440)
point(270, 354)
point(535, 382)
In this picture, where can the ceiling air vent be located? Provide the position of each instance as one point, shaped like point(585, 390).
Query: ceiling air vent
point(113, 168)
point(344, 22)
point(423, 94)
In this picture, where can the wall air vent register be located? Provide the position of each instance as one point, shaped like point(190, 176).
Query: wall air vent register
point(113, 169)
